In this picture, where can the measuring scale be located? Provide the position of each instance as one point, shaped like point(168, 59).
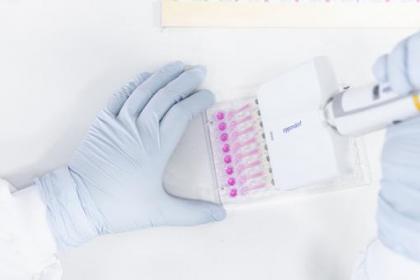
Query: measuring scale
point(290, 13)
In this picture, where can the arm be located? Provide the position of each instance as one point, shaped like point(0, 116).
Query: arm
point(113, 183)
point(396, 252)
point(27, 246)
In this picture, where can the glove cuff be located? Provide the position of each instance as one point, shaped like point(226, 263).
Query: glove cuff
point(67, 215)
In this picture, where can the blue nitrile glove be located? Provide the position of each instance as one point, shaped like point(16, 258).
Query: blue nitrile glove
point(114, 181)
point(399, 199)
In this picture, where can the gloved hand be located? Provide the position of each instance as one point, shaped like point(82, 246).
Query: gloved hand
point(114, 181)
point(399, 199)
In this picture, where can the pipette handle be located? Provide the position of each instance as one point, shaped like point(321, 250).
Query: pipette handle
point(362, 110)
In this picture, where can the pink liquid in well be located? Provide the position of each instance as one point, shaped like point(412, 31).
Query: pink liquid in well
point(227, 159)
point(229, 170)
point(243, 179)
point(231, 181)
point(239, 112)
point(238, 145)
point(245, 190)
point(240, 157)
point(237, 122)
point(242, 167)
point(248, 130)
point(222, 126)
point(220, 115)
point(226, 148)
point(224, 137)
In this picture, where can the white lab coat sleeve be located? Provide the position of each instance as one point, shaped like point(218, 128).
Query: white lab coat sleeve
point(27, 246)
point(380, 263)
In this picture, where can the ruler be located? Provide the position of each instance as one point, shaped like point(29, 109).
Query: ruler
point(290, 13)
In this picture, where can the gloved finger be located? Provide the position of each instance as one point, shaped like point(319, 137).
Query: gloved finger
point(178, 117)
point(413, 60)
point(142, 94)
point(118, 99)
point(174, 92)
point(184, 212)
point(395, 69)
point(379, 69)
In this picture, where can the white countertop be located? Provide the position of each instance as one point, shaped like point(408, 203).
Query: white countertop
point(60, 61)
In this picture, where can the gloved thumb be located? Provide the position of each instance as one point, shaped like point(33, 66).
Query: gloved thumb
point(184, 212)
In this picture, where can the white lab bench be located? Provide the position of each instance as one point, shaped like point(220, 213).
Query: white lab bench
point(60, 61)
